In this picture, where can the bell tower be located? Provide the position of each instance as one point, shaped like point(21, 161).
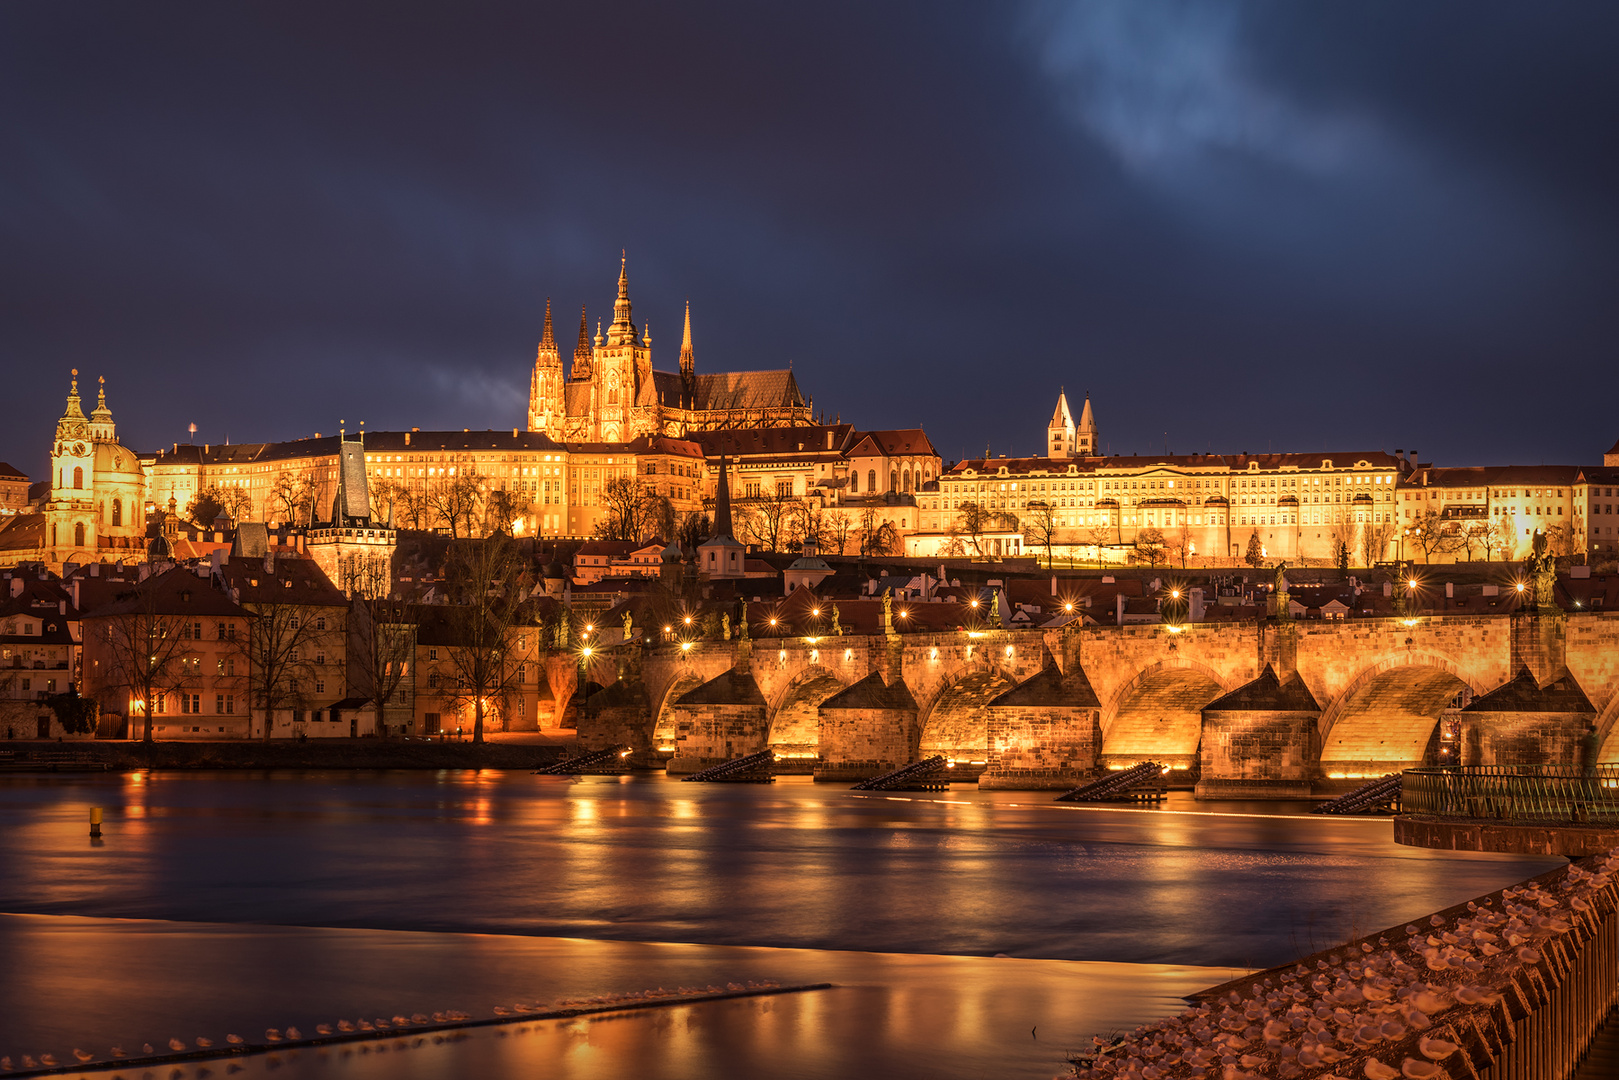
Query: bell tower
point(1060, 432)
point(546, 407)
point(70, 514)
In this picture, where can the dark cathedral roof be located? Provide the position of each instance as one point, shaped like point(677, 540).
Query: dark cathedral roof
point(722, 390)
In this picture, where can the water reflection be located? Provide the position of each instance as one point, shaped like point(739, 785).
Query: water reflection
point(790, 864)
point(98, 983)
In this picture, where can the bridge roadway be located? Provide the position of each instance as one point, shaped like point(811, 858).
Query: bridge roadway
point(1252, 709)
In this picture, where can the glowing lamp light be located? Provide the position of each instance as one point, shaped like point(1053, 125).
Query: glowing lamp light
point(1411, 584)
point(688, 620)
point(1174, 594)
point(1519, 586)
point(685, 646)
point(772, 621)
point(815, 611)
point(585, 652)
point(1009, 650)
point(623, 753)
point(975, 603)
point(668, 629)
point(590, 628)
point(1069, 606)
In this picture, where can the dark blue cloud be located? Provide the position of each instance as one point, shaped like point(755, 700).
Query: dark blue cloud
point(1292, 226)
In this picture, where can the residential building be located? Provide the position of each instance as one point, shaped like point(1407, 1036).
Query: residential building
point(13, 490)
point(197, 639)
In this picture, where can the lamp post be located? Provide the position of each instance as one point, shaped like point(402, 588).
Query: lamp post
point(584, 675)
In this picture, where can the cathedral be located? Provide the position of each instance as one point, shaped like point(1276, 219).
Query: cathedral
point(613, 395)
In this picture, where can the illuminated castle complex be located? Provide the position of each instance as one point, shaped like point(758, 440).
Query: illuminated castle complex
point(613, 395)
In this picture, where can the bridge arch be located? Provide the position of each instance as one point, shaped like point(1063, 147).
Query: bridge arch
point(1607, 722)
point(955, 722)
point(1158, 715)
point(663, 724)
point(1385, 718)
point(794, 720)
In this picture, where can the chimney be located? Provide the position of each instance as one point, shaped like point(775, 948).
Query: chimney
point(61, 605)
point(407, 438)
point(829, 438)
point(1118, 613)
point(1053, 584)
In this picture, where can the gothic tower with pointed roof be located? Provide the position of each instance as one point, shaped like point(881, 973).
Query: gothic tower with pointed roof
point(1086, 439)
point(547, 408)
point(613, 395)
point(1060, 432)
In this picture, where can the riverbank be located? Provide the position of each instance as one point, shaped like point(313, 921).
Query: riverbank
point(288, 754)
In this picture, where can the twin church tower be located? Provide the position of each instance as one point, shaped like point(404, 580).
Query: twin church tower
point(612, 394)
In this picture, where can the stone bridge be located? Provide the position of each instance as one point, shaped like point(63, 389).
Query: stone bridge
point(1249, 709)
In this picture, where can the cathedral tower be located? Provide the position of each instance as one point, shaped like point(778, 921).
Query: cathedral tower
point(98, 489)
point(1085, 437)
point(1060, 432)
point(623, 367)
point(546, 406)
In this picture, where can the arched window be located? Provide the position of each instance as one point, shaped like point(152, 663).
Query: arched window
point(893, 479)
point(906, 479)
point(78, 477)
point(854, 481)
point(78, 534)
point(117, 511)
point(53, 534)
point(871, 481)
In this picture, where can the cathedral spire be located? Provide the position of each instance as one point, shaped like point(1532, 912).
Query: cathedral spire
point(622, 332)
point(581, 351)
point(688, 360)
point(548, 338)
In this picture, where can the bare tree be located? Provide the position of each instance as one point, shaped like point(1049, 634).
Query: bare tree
point(1149, 546)
point(501, 509)
point(385, 495)
point(767, 519)
point(363, 573)
point(1374, 540)
point(877, 537)
point(837, 532)
point(1560, 541)
point(453, 501)
point(972, 521)
point(813, 525)
point(1435, 536)
point(693, 530)
point(661, 517)
point(412, 509)
point(278, 650)
point(1040, 530)
point(629, 506)
point(1486, 534)
point(1178, 547)
point(486, 581)
point(143, 641)
point(381, 644)
point(217, 499)
point(292, 497)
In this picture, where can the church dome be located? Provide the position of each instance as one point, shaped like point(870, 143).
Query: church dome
point(113, 459)
point(671, 554)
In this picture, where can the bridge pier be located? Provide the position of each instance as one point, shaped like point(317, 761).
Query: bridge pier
point(867, 730)
point(1044, 734)
point(1259, 741)
point(721, 720)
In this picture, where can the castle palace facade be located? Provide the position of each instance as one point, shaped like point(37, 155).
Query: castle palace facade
point(613, 395)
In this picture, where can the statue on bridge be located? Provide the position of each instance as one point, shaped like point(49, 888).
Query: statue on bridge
point(725, 626)
point(1541, 567)
point(888, 612)
point(1279, 594)
point(742, 623)
point(629, 626)
point(837, 623)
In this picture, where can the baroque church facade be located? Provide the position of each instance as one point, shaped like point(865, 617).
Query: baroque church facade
point(612, 394)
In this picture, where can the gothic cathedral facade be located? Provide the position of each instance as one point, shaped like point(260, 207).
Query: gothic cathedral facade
point(613, 394)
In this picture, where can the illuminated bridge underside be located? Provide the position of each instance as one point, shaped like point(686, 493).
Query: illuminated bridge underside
point(794, 731)
point(958, 725)
point(1377, 689)
point(1161, 720)
point(1387, 724)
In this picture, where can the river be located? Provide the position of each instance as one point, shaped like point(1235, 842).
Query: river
point(968, 933)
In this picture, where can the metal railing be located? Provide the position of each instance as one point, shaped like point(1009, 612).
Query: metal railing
point(1545, 794)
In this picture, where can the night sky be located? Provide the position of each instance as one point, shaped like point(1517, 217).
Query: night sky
point(1268, 226)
